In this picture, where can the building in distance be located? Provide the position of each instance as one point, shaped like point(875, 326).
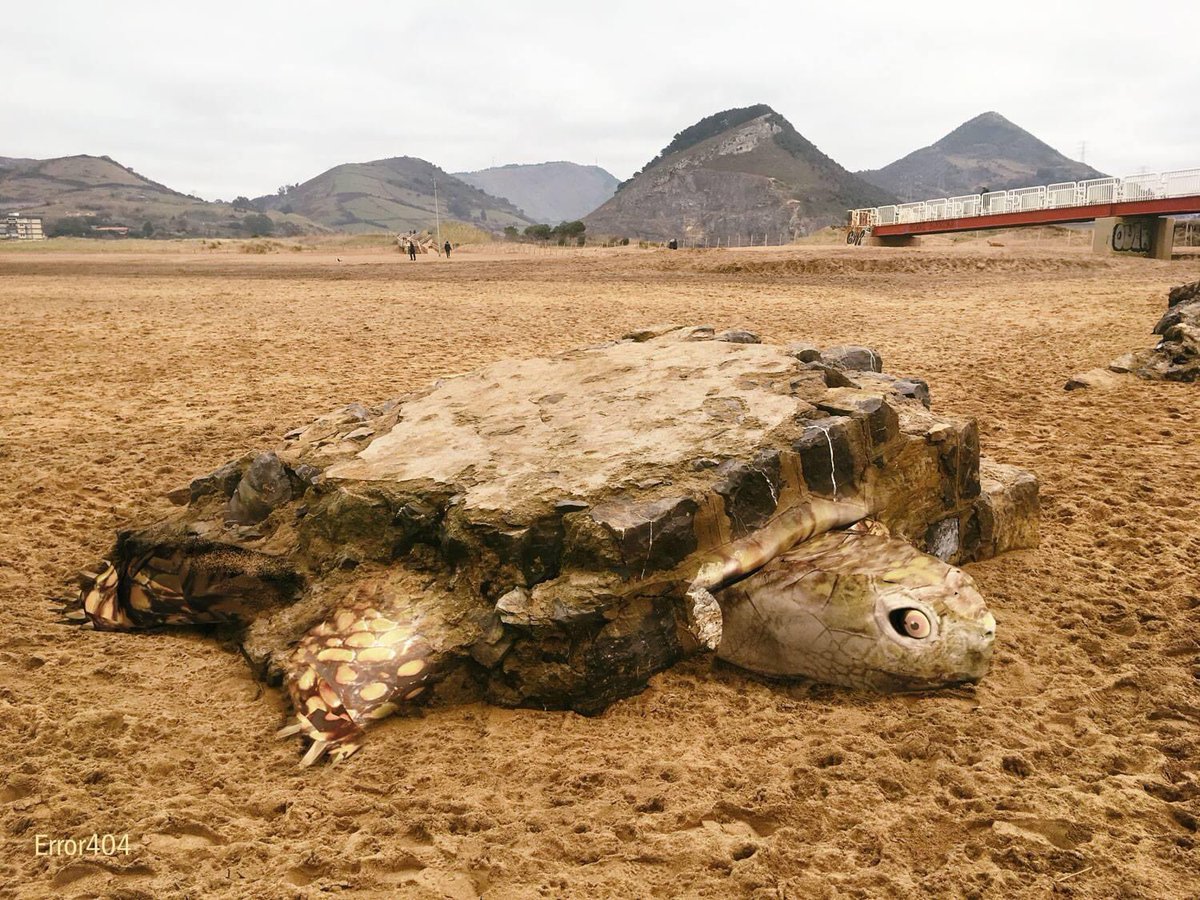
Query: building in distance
point(21, 228)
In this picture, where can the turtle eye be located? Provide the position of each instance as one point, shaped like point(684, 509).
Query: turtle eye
point(911, 623)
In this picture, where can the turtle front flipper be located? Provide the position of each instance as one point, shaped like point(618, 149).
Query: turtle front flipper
point(353, 669)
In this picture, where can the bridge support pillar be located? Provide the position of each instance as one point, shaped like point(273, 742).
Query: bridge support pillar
point(893, 240)
point(1152, 236)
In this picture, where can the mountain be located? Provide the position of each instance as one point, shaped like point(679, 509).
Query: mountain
point(81, 190)
point(987, 152)
point(549, 192)
point(391, 195)
point(735, 176)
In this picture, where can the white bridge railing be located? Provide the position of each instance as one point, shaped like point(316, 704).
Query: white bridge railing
point(1159, 186)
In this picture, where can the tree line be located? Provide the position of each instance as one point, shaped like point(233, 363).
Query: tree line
point(252, 225)
point(563, 232)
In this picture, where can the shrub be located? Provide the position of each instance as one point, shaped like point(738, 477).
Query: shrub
point(257, 225)
point(261, 247)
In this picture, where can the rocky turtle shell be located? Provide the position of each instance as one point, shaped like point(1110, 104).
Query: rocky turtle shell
point(542, 518)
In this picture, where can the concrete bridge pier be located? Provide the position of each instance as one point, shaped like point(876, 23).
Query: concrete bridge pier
point(1151, 236)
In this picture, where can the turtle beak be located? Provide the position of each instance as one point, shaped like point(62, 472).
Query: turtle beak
point(979, 650)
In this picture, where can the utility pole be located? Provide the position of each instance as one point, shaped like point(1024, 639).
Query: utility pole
point(437, 216)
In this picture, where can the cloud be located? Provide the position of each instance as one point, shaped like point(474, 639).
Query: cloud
point(236, 98)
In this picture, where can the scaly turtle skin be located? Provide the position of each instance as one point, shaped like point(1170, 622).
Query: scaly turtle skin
point(564, 528)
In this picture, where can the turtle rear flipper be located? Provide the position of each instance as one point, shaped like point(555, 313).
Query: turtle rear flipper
point(70, 609)
point(101, 601)
point(181, 585)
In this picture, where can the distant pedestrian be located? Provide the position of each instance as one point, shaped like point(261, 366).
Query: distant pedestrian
point(447, 249)
point(412, 251)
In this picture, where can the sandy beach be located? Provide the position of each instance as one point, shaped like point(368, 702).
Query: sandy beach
point(1072, 770)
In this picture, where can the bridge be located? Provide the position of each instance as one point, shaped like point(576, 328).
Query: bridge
point(1131, 214)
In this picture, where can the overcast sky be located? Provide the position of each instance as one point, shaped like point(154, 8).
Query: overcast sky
point(220, 99)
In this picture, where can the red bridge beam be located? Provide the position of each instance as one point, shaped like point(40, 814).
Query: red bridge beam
point(1064, 215)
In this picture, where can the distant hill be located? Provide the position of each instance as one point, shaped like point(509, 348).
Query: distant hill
point(100, 190)
point(987, 152)
point(549, 192)
point(9, 163)
point(735, 176)
point(391, 195)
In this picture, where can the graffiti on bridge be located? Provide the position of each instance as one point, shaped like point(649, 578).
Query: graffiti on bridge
point(1132, 237)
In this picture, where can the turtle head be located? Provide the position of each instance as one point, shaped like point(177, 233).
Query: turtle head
point(861, 610)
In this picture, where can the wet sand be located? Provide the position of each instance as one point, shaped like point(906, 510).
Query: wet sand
point(1073, 770)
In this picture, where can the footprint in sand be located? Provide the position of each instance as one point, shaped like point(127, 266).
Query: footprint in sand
point(182, 837)
point(81, 869)
point(1061, 833)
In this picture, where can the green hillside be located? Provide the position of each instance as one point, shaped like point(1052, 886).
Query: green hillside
point(392, 195)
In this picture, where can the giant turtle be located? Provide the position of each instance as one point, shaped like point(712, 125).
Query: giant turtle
point(563, 528)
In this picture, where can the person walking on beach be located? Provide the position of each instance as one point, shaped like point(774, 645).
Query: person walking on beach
point(412, 251)
point(447, 249)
